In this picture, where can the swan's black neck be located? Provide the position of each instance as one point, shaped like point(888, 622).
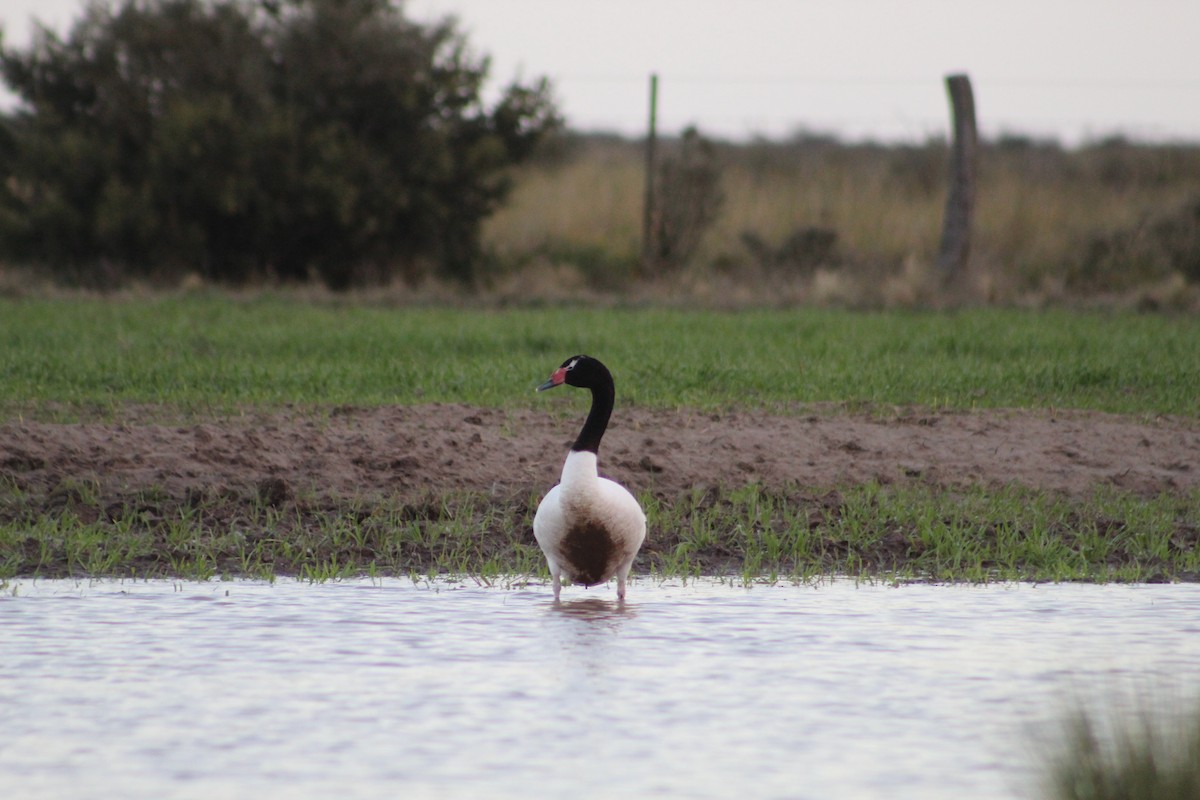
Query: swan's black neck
point(594, 426)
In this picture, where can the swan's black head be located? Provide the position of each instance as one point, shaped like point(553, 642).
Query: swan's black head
point(582, 371)
point(587, 373)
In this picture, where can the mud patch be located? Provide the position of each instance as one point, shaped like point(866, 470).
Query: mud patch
point(413, 451)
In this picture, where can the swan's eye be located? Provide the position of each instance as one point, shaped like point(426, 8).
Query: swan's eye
point(571, 365)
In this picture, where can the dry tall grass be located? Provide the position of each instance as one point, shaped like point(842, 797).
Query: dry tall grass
point(1050, 223)
point(593, 200)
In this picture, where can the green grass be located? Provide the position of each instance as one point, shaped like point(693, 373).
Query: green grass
point(922, 533)
point(890, 533)
point(207, 353)
point(148, 536)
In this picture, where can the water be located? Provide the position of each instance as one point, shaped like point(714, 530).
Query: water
point(214, 690)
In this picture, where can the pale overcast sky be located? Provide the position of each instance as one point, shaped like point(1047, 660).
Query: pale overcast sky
point(1072, 69)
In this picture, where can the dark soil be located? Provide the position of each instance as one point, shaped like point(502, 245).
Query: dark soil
point(414, 450)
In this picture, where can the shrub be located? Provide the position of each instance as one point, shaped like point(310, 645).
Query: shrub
point(1166, 243)
point(688, 200)
point(310, 137)
point(803, 251)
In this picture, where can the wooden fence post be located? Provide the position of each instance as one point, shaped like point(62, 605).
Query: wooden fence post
point(648, 209)
point(960, 200)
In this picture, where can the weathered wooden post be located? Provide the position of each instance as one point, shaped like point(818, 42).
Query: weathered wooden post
point(648, 209)
point(960, 200)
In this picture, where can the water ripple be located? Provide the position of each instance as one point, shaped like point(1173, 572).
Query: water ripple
point(441, 690)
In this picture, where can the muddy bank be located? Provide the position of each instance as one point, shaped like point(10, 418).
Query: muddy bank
point(413, 451)
point(451, 488)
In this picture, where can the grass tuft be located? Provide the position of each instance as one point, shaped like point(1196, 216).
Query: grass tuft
point(1148, 758)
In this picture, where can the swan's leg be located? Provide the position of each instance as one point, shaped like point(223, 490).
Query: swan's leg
point(622, 574)
point(556, 579)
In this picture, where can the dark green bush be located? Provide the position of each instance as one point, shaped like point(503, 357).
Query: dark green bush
point(329, 138)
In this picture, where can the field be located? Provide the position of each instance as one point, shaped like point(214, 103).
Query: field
point(818, 222)
point(206, 434)
point(210, 353)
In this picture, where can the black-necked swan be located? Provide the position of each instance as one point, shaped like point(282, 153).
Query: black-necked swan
point(590, 528)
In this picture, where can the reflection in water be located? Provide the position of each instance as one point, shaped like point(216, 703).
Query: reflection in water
point(593, 608)
point(583, 629)
point(362, 689)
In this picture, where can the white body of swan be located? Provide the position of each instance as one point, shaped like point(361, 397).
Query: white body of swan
point(589, 528)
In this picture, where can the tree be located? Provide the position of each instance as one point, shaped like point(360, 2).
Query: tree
point(311, 137)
